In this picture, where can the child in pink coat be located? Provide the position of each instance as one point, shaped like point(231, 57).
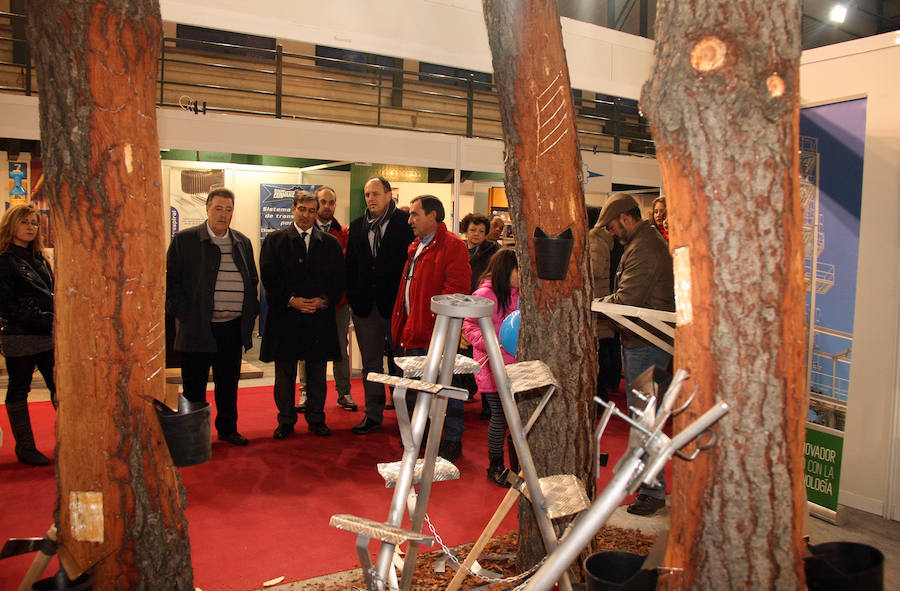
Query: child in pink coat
point(500, 284)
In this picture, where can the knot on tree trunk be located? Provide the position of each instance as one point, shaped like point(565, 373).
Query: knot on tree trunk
point(708, 54)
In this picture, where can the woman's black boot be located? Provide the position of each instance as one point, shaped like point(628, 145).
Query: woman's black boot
point(496, 472)
point(20, 423)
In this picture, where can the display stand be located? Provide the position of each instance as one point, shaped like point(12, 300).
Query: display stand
point(433, 391)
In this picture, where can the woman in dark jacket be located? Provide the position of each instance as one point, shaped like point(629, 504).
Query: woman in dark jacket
point(475, 226)
point(26, 317)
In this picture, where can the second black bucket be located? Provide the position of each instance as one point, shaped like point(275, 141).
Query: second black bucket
point(552, 253)
point(186, 431)
point(618, 571)
point(844, 566)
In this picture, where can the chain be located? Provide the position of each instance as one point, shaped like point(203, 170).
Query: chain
point(456, 561)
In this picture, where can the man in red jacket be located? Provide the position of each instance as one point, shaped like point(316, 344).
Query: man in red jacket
point(326, 222)
point(437, 263)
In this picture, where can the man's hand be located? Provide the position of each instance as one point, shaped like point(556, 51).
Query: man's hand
point(307, 305)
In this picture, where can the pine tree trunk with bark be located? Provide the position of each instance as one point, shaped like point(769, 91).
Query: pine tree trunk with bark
point(120, 503)
point(543, 185)
point(723, 105)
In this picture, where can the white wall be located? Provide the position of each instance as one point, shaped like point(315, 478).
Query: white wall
point(870, 477)
point(340, 182)
point(443, 191)
point(450, 32)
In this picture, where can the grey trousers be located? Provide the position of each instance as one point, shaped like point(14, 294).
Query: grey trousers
point(373, 334)
point(342, 368)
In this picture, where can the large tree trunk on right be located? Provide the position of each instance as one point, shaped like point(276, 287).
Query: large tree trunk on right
point(722, 102)
point(120, 502)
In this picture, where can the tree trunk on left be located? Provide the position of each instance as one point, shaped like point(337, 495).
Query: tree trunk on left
point(120, 503)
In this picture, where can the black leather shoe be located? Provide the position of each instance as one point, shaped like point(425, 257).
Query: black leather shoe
point(646, 505)
point(282, 431)
point(234, 438)
point(450, 450)
point(366, 426)
point(320, 429)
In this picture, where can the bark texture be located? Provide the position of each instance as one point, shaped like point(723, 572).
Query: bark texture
point(723, 106)
point(543, 184)
point(120, 501)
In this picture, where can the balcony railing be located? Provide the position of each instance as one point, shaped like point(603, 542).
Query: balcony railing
point(227, 78)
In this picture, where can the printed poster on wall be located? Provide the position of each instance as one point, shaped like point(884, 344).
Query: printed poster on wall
point(832, 142)
point(275, 202)
point(188, 188)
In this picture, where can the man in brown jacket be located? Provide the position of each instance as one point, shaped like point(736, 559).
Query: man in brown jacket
point(644, 279)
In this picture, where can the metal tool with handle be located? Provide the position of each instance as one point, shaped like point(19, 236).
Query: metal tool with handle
point(642, 462)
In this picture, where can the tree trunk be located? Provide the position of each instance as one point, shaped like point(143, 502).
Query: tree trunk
point(723, 106)
point(543, 184)
point(120, 501)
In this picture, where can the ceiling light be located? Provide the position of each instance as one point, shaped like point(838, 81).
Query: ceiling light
point(838, 13)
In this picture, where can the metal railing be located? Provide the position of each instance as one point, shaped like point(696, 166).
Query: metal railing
point(288, 85)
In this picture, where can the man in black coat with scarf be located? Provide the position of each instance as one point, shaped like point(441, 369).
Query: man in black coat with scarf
point(301, 269)
point(376, 255)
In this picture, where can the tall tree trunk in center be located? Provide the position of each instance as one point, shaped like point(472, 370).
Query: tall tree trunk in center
point(543, 184)
point(722, 101)
point(120, 501)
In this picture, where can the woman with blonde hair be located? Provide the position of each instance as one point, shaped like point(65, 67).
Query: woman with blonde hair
point(26, 321)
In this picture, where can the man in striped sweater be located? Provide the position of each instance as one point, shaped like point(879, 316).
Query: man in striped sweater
point(211, 290)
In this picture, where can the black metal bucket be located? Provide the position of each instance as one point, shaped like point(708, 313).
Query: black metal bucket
point(844, 566)
point(552, 254)
point(618, 571)
point(186, 431)
point(61, 582)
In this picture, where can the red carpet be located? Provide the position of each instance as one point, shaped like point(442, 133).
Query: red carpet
point(262, 511)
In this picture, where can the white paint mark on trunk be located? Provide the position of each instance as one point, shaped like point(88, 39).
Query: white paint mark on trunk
point(684, 310)
point(86, 512)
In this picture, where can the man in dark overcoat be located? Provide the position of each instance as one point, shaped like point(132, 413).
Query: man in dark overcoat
point(301, 269)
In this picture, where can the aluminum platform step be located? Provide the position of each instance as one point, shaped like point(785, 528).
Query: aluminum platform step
point(443, 470)
point(564, 493)
point(410, 384)
point(529, 375)
point(414, 366)
point(372, 529)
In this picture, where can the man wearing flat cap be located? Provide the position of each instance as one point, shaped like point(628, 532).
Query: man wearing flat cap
point(644, 279)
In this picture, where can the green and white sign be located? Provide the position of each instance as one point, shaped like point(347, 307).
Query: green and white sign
point(823, 450)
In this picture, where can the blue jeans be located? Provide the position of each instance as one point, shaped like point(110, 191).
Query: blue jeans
point(453, 420)
point(636, 361)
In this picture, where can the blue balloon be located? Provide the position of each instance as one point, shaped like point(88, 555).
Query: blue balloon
point(509, 332)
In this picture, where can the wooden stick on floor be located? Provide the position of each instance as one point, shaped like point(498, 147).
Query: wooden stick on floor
point(512, 495)
point(40, 562)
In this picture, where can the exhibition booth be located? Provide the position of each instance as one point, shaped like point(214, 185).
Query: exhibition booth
point(850, 179)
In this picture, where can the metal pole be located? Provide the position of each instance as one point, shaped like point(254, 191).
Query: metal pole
point(407, 467)
point(516, 431)
point(439, 410)
point(470, 104)
point(162, 71)
point(279, 79)
point(587, 524)
point(457, 187)
point(378, 106)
